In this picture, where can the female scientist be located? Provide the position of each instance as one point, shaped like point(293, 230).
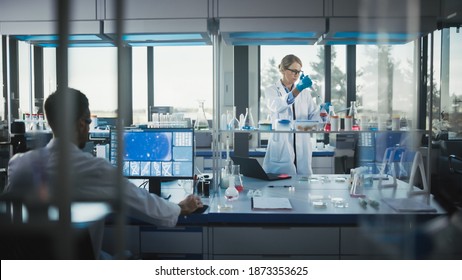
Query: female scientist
point(287, 101)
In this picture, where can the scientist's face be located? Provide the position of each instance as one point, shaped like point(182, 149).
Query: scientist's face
point(83, 130)
point(292, 73)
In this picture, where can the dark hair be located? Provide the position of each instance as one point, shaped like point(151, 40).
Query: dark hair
point(56, 99)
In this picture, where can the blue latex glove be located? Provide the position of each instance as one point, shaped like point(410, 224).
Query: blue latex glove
point(305, 82)
point(325, 106)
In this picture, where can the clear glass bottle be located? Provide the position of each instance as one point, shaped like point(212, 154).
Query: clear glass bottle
point(201, 120)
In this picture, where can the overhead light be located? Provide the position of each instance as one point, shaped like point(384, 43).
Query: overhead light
point(37, 38)
point(173, 43)
point(270, 38)
point(375, 36)
point(162, 37)
point(272, 35)
point(75, 45)
point(357, 42)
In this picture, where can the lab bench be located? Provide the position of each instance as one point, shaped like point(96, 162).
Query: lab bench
point(233, 230)
point(322, 161)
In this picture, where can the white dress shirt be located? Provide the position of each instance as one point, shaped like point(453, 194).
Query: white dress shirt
point(92, 178)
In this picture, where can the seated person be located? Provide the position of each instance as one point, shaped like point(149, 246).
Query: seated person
point(35, 174)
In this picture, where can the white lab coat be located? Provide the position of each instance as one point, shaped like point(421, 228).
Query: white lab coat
point(280, 155)
point(94, 179)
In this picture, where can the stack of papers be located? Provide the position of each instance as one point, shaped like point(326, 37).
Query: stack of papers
point(408, 205)
point(271, 203)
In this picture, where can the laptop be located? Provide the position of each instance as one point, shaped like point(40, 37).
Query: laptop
point(250, 167)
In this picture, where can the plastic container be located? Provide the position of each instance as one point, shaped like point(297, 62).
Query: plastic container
point(284, 125)
point(306, 125)
point(265, 125)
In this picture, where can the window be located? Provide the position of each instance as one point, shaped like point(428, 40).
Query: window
point(2, 99)
point(339, 79)
point(25, 77)
point(386, 83)
point(49, 71)
point(140, 85)
point(451, 84)
point(183, 75)
point(94, 72)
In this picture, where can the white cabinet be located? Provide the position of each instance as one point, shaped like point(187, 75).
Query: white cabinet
point(32, 17)
point(323, 165)
point(44, 10)
point(269, 8)
point(178, 242)
point(274, 242)
point(160, 9)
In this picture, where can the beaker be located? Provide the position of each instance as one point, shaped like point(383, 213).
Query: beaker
point(201, 120)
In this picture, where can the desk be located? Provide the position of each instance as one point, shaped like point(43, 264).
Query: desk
point(305, 232)
point(300, 194)
point(308, 232)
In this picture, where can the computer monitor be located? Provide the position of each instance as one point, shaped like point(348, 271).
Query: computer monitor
point(156, 154)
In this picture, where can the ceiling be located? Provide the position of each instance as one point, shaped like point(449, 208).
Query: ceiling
point(244, 22)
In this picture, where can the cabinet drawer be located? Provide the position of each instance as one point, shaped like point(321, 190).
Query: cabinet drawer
point(171, 241)
point(322, 162)
point(275, 240)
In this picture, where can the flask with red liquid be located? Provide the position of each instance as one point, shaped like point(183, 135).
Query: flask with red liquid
point(236, 174)
point(354, 117)
point(327, 127)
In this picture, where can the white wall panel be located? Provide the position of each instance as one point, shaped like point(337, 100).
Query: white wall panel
point(38, 10)
point(47, 27)
point(270, 8)
point(158, 26)
point(384, 8)
point(159, 9)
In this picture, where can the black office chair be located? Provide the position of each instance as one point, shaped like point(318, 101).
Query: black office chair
point(453, 160)
point(18, 137)
point(455, 167)
point(37, 238)
point(447, 186)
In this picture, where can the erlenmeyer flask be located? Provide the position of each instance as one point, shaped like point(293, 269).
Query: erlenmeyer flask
point(236, 175)
point(249, 123)
point(234, 123)
point(201, 120)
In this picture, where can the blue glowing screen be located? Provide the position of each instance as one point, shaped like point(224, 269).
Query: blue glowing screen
point(150, 152)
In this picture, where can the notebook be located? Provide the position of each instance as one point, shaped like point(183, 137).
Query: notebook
point(250, 167)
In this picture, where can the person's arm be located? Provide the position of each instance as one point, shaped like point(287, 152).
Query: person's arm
point(159, 211)
point(274, 102)
point(190, 204)
point(305, 82)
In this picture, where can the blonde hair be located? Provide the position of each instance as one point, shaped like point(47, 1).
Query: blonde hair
point(287, 61)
